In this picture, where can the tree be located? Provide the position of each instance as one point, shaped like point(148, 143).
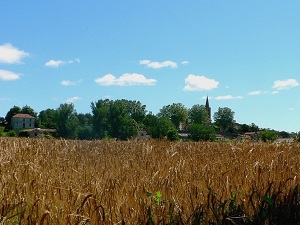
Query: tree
point(100, 119)
point(253, 127)
point(284, 134)
point(198, 114)
point(164, 125)
point(66, 120)
point(150, 123)
point(173, 135)
point(47, 118)
point(224, 118)
point(268, 135)
point(201, 132)
point(176, 112)
point(13, 111)
point(117, 118)
point(28, 110)
point(136, 110)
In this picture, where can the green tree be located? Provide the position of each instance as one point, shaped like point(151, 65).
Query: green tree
point(136, 110)
point(253, 127)
point(245, 128)
point(176, 112)
point(284, 134)
point(164, 125)
point(201, 132)
point(13, 111)
point(224, 118)
point(150, 123)
point(173, 135)
point(67, 121)
point(28, 110)
point(268, 135)
point(100, 118)
point(47, 118)
point(117, 118)
point(198, 114)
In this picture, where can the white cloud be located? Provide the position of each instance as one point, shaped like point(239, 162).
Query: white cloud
point(57, 63)
point(8, 75)
point(125, 80)
point(199, 83)
point(185, 62)
point(285, 84)
point(256, 93)
point(228, 97)
point(10, 54)
point(69, 83)
point(158, 65)
point(275, 92)
point(73, 99)
point(54, 63)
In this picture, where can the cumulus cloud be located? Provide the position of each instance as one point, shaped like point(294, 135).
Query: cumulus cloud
point(185, 62)
point(56, 63)
point(67, 83)
point(125, 80)
point(8, 75)
point(10, 54)
point(228, 97)
point(73, 99)
point(285, 84)
point(199, 83)
point(158, 65)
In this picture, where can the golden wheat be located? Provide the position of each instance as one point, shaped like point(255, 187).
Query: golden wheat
point(108, 182)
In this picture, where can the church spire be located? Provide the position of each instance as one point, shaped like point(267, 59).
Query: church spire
point(207, 103)
point(208, 109)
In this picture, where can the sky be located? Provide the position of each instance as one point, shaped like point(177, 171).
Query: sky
point(244, 55)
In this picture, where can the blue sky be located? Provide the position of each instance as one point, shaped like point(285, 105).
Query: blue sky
point(244, 55)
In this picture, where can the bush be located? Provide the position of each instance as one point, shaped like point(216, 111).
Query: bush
point(200, 132)
point(173, 135)
point(12, 133)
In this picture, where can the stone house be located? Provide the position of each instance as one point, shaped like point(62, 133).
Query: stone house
point(22, 121)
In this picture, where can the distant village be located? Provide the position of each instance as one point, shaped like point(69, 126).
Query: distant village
point(25, 125)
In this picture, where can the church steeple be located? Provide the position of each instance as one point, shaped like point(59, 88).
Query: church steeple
point(208, 109)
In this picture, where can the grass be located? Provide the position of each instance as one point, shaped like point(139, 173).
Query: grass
point(155, 182)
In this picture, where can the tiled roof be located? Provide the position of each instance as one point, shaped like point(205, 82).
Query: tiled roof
point(21, 115)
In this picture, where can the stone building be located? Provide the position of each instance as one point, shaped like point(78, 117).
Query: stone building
point(22, 121)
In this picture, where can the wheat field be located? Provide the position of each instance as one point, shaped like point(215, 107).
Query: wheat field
point(49, 181)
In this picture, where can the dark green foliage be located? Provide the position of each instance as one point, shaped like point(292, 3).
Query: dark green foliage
point(200, 132)
point(268, 135)
point(13, 111)
point(224, 118)
point(67, 121)
point(119, 119)
point(176, 112)
point(198, 114)
point(173, 135)
point(47, 118)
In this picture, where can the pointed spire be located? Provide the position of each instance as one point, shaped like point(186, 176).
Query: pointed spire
point(207, 102)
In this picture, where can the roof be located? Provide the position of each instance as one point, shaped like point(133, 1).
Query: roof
point(21, 115)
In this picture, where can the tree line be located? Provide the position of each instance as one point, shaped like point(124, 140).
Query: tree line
point(123, 119)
